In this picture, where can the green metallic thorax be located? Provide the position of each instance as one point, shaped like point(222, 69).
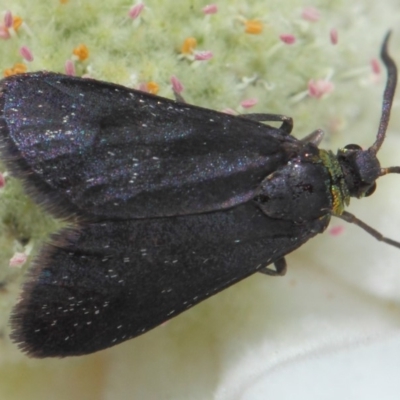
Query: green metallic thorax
point(337, 184)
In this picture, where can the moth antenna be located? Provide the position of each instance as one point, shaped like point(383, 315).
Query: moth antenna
point(387, 96)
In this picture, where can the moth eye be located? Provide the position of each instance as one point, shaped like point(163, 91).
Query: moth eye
point(352, 147)
point(370, 190)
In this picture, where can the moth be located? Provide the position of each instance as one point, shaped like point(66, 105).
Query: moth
point(169, 203)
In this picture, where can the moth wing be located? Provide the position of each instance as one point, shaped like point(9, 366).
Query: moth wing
point(91, 147)
point(115, 280)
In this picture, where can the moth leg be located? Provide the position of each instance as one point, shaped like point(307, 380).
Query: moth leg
point(314, 137)
point(287, 122)
point(179, 98)
point(280, 268)
point(352, 219)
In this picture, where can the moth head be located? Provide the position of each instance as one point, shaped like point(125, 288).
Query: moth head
point(361, 170)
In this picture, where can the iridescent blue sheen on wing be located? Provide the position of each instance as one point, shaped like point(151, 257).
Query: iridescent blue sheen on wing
point(115, 280)
point(113, 152)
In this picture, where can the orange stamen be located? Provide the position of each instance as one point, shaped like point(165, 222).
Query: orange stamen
point(254, 27)
point(81, 51)
point(189, 45)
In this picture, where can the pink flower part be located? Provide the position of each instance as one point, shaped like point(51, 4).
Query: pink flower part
point(229, 111)
point(310, 14)
point(26, 53)
point(287, 38)
point(333, 34)
point(18, 259)
point(336, 230)
point(2, 181)
point(143, 87)
point(248, 103)
point(210, 9)
point(135, 10)
point(70, 68)
point(8, 19)
point(319, 88)
point(4, 34)
point(176, 84)
point(376, 68)
point(203, 55)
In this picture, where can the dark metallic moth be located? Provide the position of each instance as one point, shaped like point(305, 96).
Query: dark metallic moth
point(171, 203)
